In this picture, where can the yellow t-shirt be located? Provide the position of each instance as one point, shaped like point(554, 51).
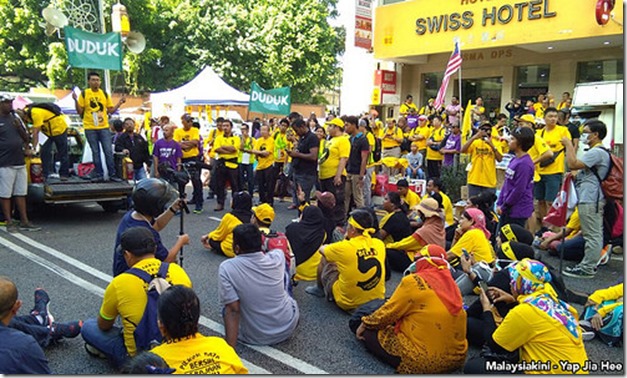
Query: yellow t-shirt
point(448, 208)
point(405, 108)
point(46, 121)
point(126, 296)
point(395, 132)
point(475, 242)
point(361, 271)
point(200, 355)
point(539, 147)
point(281, 144)
point(425, 131)
point(234, 141)
point(539, 339)
point(262, 144)
point(573, 223)
point(437, 135)
point(182, 135)
point(501, 145)
point(411, 199)
point(307, 270)
point(553, 139)
point(224, 233)
point(95, 105)
point(335, 149)
point(483, 171)
point(212, 139)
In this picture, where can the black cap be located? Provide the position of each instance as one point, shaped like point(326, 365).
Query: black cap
point(138, 240)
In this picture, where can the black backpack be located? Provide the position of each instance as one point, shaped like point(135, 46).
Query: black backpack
point(376, 153)
point(147, 334)
point(49, 106)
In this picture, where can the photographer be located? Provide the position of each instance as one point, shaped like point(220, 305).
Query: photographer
point(483, 153)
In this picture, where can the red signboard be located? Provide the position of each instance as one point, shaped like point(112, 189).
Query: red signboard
point(386, 80)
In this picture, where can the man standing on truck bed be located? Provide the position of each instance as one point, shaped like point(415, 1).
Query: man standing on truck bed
point(94, 104)
point(14, 145)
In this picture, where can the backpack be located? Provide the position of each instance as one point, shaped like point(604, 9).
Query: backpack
point(612, 183)
point(49, 106)
point(278, 240)
point(147, 332)
point(376, 153)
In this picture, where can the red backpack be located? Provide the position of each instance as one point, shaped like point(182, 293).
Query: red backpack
point(612, 183)
point(278, 240)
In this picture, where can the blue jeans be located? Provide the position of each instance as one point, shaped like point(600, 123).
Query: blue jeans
point(47, 161)
point(110, 343)
point(31, 326)
point(96, 139)
point(420, 174)
point(139, 174)
point(573, 249)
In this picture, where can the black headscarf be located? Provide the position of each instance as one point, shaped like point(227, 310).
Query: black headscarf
point(306, 236)
point(328, 221)
point(242, 206)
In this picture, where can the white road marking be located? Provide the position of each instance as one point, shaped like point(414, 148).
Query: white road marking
point(216, 219)
point(273, 353)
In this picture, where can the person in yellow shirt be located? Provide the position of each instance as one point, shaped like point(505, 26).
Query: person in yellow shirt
point(281, 145)
point(483, 153)
point(332, 166)
point(185, 349)
point(352, 271)
point(265, 174)
point(551, 170)
point(434, 156)
point(499, 138)
point(95, 105)
point(420, 135)
point(227, 146)
point(408, 196)
point(477, 111)
point(566, 101)
point(221, 239)
point(189, 139)
point(421, 329)
point(434, 185)
point(54, 127)
point(210, 155)
point(408, 104)
point(391, 138)
point(540, 106)
point(603, 315)
point(364, 127)
point(429, 109)
point(543, 328)
point(126, 296)
point(246, 160)
point(473, 236)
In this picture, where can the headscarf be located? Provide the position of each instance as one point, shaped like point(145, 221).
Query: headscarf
point(431, 232)
point(433, 267)
point(242, 206)
point(516, 233)
point(306, 236)
point(531, 280)
point(478, 218)
point(515, 251)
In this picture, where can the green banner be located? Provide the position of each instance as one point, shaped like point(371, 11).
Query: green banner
point(273, 101)
point(92, 50)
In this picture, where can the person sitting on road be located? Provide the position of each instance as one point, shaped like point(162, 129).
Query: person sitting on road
point(409, 197)
point(306, 237)
point(19, 352)
point(394, 226)
point(603, 315)
point(514, 233)
point(126, 296)
point(352, 272)
point(401, 254)
point(472, 235)
point(421, 329)
point(40, 323)
point(221, 239)
point(135, 147)
point(541, 327)
point(147, 363)
point(150, 197)
point(185, 349)
point(257, 307)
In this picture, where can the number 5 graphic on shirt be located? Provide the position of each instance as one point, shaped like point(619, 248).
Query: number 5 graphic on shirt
point(364, 265)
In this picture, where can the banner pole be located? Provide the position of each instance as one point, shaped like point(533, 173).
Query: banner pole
point(107, 76)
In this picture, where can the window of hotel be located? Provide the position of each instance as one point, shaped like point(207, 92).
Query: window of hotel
point(430, 86)
point(532, 81)
point(600, 70)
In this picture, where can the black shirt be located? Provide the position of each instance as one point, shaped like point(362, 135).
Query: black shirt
point(359, 143)
point(11, 143)
point(574, 131)
point(305, 144)
point(397, 226)
point(137, 147)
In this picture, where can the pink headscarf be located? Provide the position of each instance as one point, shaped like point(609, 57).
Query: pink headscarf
point(479, 221)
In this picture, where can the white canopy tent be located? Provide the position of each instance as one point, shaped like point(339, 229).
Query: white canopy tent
point(207, 88)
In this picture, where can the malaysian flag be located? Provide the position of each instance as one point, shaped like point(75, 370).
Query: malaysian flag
point(454, 63)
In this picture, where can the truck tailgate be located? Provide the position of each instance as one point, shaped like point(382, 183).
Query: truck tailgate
point(66, 192)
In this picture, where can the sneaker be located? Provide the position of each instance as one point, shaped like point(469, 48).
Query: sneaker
point(42, 307)
point(587, 332)
point(29, 227)
point(115, 179)
point(577, 272)
point(315, 290)
point(67, 330)
point(605, 256)
point(13, 227)
point(198, 210)
point(92, 351)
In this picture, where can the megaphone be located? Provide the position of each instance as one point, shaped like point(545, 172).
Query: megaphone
point(135, 41)
point(55, 19)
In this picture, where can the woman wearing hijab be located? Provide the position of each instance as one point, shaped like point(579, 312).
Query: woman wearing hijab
point(401, 254)
point(306, 237)
point(221, 239)
point(541, 327)
point(472, 235)
point(421, 329)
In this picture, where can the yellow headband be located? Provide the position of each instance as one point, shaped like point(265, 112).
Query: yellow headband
point(509, 234)
point(508, 251)
point(366, 231)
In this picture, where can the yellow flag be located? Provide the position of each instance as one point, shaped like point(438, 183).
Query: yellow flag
point(467, 122)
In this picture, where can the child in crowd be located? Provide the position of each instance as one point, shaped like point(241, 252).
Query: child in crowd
point(415, 163)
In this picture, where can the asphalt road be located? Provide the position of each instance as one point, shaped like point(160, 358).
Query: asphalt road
point(72, 259)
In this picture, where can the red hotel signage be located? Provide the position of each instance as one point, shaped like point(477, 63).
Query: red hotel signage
point(386, 80)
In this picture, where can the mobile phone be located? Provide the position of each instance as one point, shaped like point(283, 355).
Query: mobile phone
point(466, 254)
point(484, 287)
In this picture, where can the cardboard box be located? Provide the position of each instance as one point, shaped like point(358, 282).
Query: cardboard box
point(464, 192)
